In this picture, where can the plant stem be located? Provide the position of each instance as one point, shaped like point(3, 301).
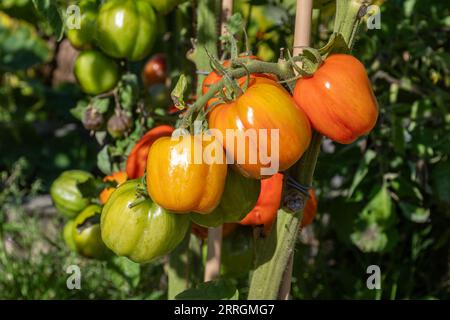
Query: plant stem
point(273, 253)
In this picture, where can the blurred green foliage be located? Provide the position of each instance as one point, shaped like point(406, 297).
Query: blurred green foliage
point(384, 200)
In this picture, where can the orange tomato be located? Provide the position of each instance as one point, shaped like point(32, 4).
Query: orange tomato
point(202, 232)
point(338, 99)
point(269, 202)
point(310, 209)
point(117, 177)
point(264, 109)
point(137, 160)
point(178, 182)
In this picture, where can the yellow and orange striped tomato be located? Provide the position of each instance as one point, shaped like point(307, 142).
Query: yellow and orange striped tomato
point(338, 99)
point(265, 107)
point(179, 183)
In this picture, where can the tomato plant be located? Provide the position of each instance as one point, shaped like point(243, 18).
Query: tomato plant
point(255, 110)
point(178, 184)
point(96, 73)
point(66, 195)
point(87, 236)
point(136, 227)
point(338, 99)
point(238, 198)
point(126, 28)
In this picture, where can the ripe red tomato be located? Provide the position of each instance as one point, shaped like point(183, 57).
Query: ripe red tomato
point(155, 70)
point(264, 108)
point(137, 160)
point(338, 99)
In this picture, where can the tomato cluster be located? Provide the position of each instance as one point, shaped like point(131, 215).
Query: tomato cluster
point(166, 189)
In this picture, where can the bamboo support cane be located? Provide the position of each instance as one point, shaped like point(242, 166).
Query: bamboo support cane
point(212, 267)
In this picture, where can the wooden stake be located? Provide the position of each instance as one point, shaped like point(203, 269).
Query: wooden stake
point(212, 267)
point(302, 38)
point(227, 9)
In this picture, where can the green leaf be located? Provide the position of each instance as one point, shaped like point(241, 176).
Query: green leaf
point(79, 109)
point(414, 213)
point(55, 20)
point(379, 209)
point(235, 24)
point(221, 289)
point(177, 94)
point(373, 238)
point(41, 5)
point(101, 105)
point(52, 16)
point(125, 273)
point(128, 91)
point(374, 231)
point(362, 171)
point(104, 161)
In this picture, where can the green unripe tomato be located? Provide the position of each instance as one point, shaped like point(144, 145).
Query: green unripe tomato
point(68, 236)
point(238, 198)
point(82, 38)
point(137, 228)
point(165, 6)
point(87, 236)
point(96, 73)
point(126, 28)
point(67, 198)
